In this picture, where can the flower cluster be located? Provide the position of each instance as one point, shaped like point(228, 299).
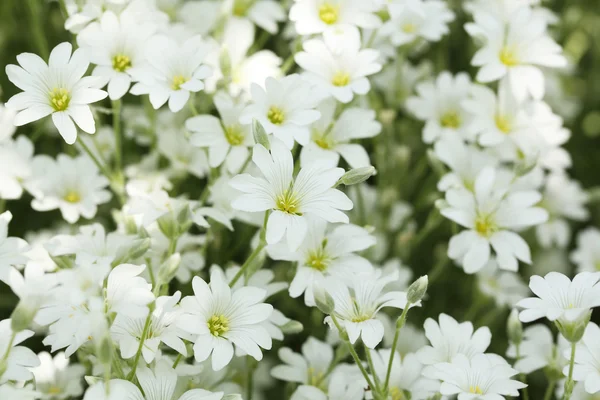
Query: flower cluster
point(229, 196)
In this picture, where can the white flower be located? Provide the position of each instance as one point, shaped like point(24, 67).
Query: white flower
point(307, 368)
point(439, 104)
point(357, 305)
point(561, 299)
point(126, 292)
point(7, 124)
point(538, 350)
point(515, 49)
point(564, 199)
point(16, 360)
point(15, 166)
point(174, 144)
point(285, 108)
point(449, 338)
point(331, 137)
point(405, 377)
point(505, 287)
point(12, 249)
point(417, 19)
point(264, 13)
point(340, 70)
point(318, 16)
point(56, 379)
point(73, 185)
point(325, 253)
point(56, 88)
point(159, 384)
point(290, 199)
point(587, 254)
point(116, 44)
point(344, 384)
point(226, 139)
point(127, 330)
point(587, 364)
point(485, 377)
point(491, 214)
point(174, 71)
point(33, 288)
point(16, 392)
point(220, 318)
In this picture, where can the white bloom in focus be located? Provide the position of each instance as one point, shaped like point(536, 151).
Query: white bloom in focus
point(127, 293)
point(116, 44)
point(56, 379)
point(127, 330)
point(515, 49)
point(490, 215)
point(340, 70)
point(331, 138)
point(421, 19)
point(587, 254)
point(587, 364)
point(307, 368)
point(325, 253)
point(73, 185)
point(12, 249)
point(561, 299)
point(484, 377)
point(449, 338)
point(173, 73)
point(56, 88)
point(226, 139)
point(15, 166)
point(357, 305)
point(220, 318)
point(290, 199)
point(318, 16)
point(285, 108)
point(538, 350)
point(17, 365)
point(439, 105)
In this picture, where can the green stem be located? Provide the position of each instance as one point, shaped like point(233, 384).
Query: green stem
point(100, 166)
point(399, 325)
point(9, 347)
point(177, 360)
point(569, 382)
point(116, 106)
point(523, 377)
point(378, 387)
point(261, 245)
point(249, 378)
point(549, 390)
point(136, 360)
point(288, 64)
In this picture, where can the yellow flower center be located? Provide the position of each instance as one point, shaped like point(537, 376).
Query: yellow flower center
point(60, 99)
point(409, 27)
point(178, 80)
point(329, 13)
point(450, 119)
point(316, 379)
point(323, 140)
point(241, 7)
point(72, 196)
point(503, 123)
point(475, 390)
point(508, 57)
point(396, 393)
point(288, 203)
point(121, 62)
point(318, 260)
point(234, 135)
point(340, 79)
point(218, 325)
point(485, 225)
point(276, 115)
point(54, 390)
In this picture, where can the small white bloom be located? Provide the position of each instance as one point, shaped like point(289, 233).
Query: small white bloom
point(174, 144)
point(345, 384)
point(587, 365)
point(15, 166)
point(73, 185)
point(505, 287)
point(126, 292)
point(317, 16)
point(12, 249)
point(173, 73)
point(307, 368)
point(587, 254)
point(56, 88)
point(220, 318)
point(538, 350)
point(340, 70)
point(289, 198)
point(56, 379)
point(19, 359)
point(7, 123)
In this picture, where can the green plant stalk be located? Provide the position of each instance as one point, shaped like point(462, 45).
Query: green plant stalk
point(261, 245)
point(116, 106)
point(569, 381)
point(549, 390)
point(399, 325)
point(378, 387)
point(522, 376)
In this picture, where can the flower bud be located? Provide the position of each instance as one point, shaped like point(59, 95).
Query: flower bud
point(573, 330)
point(260, 135)
point(417, 290)
point(323, 300)
point(292, 327)
point(514, 328)
point(137, 249)
point(168, 269)
point(357, 175)
point(22, 316)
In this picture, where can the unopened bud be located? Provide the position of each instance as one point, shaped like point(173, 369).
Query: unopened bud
point(357, 175)
point(63, 262)
point(138, 248)
point(573, 330)
point(292, 327)
point(168, 225)
point(417, 290)
point(323, 300)
point(514, 328)
point(169, 268)
point(184, 220)
point(260, 135)
point(22, 316)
